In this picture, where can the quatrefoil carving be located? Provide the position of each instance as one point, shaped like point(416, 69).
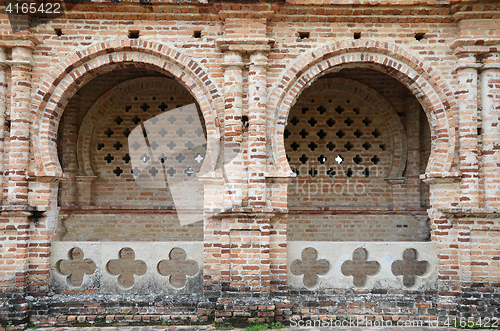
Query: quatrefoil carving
point(76, 267)
point(310, 266)
point(177, 267)
point(126, 267)
point(359, 268)
point(409, 267)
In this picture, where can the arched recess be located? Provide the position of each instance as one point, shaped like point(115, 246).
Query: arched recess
point(80, 68)
point(426, 85)
point(396, 131)
point(107, 102)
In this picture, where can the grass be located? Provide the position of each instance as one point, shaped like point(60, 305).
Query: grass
point(266, 326)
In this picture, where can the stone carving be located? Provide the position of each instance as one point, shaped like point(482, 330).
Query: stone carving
point(310, 266)
point(409, 267)
point(177, 267)
point(76, 267)
point(126, 267)
point(359, 268)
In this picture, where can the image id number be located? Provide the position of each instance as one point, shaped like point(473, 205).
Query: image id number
point(33, 8)
point(472, 322)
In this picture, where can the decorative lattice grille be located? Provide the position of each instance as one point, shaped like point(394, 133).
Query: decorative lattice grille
point(335, 136)
point(138, 107)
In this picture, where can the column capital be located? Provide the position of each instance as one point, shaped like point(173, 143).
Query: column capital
point(23, 64)
point(232, 58)
point(491, 61)
point(473, 45)
point(21, 57)
point(246, 45)
point(11, 41)
point(19, 211)
point(33, 177)
point(467, 61)
point(439, 177)
point(259, 58)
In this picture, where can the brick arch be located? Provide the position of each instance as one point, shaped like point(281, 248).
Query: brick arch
point(77, 70)
point(425, 84)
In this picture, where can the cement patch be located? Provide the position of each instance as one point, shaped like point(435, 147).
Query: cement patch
point(104, 282)
point(385, 253)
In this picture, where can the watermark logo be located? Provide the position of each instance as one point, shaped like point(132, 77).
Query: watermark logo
point(337, 179)
point(42, 11)
point(168, 150)
point(361, 321)
point(19, 10)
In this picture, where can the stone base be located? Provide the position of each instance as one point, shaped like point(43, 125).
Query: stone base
point(13, 309)
point(422, 308)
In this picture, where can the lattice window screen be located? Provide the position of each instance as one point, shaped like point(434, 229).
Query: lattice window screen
point(111, 154)
point(337, 137)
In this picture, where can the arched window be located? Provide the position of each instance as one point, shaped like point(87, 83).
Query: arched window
point(357, 178)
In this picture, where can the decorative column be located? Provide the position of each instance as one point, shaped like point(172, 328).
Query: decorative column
point(233, 101)
point(413, 159)
point(242, 243)
point(257, 100)
point(15, 217)
point(467, 119)
point(3, 109)
point(69, 132)
point(490, 97)
point(272, 226)
point(21, 65)
point(216, 237)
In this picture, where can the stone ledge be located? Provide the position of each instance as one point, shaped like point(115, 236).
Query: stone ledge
point(471, 211)
point(357, 210)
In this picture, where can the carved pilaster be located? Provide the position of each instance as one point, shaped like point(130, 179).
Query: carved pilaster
point(468, 134)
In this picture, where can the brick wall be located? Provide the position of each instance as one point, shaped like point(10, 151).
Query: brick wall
point(363, 225)
point(126, 224)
